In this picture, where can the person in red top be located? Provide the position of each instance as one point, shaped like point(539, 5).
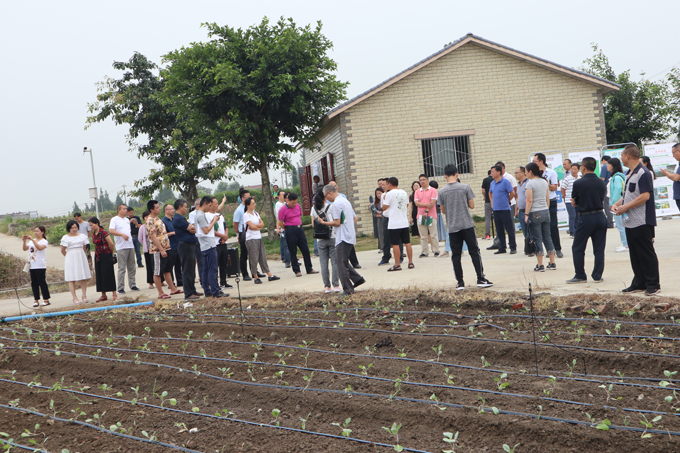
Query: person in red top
point(426, 199)
point(290, 218)
point(103, 260)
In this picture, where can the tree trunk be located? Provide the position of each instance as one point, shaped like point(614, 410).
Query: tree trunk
point(268, 207)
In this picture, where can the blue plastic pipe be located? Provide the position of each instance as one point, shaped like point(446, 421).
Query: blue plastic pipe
point(74, 312)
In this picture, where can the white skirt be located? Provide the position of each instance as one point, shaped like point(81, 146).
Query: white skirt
point(76, 267)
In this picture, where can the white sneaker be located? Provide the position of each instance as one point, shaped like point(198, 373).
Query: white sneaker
point(621, 249)
point(337, 289)
point(327, 289)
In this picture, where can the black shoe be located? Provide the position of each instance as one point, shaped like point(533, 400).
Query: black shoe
point(359, 282)
point(498, 252)
point(357, 267)
point(273, 278)
point(436, 254)
point(140, 265)
point(383, 262)
point(121, 291)
point(539, 268)
point(484, 283)
point(577, 280)
point(221, 294)
point(257, 281)
point(227, 286)
point(460, 286)
point(559, 254)
point(287, 265)
point(493, 247)
point(630, 289)
point(261, 275)
point(652, 292)
point(134, 288)
point(513, 252)
point(247, 278)
point(551, 267)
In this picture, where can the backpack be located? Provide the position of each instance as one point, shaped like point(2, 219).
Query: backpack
point(322, 231)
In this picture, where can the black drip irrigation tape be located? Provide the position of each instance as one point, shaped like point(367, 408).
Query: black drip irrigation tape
point(404, 359)
point(373, 378)
point(261, 425)
point(98, 428)
point(370, 395)
point(392, 332)
point(23, 447)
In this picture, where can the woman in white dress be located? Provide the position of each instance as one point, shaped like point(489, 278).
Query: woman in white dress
point(76, 268)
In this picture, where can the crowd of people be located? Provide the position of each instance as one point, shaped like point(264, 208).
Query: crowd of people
point(177, 242)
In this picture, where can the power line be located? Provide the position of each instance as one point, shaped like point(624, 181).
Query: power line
point(664, 71)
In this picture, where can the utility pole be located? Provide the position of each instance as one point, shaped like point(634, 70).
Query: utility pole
point(93, 191)
point(125, 194)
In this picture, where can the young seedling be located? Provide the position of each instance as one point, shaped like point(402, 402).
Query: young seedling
point(608, 391)
point(434, 398)
point(308, 380)
point(499, 381)
point(276, 413)
point(507, 448)
point(344, 426)
point(648, 425)
point(437, 350)
point(551, 383)
point(571, 367)
point(485, 363)
point(394, 431)
point(401, 353)
point(450, 439)
point(304, 421)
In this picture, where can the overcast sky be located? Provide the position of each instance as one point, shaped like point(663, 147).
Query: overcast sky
point(53, 54)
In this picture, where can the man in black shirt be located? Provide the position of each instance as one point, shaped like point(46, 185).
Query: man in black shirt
point(488, 212)
point(135, 223)
point(587, 197)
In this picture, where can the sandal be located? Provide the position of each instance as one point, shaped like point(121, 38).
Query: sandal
point(46, 303)
point(102, 299)
point(36, 304)
point(394, 268)
point(85, 300)
point(411, 265)
point(164, 296)
point(76, 302)
point(177, 291)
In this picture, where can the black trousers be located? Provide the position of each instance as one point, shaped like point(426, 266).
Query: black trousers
point(176, 269)
point(554, 231)
point(504, 222)
point(353, 260)
point(39, 283)
point(148, 259)
point(222, 260)
point(187, 258)
point(469, 236)
point(243, 258)
point(643, 257)
point(347, 274)
point(296, 238)
point(387, 244)
point(593, 227)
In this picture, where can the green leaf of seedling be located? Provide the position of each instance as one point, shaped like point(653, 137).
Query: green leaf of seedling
point(604, 426)
point(398, 448)
point(173, 401)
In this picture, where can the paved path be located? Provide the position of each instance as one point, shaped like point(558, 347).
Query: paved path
point(507, 272)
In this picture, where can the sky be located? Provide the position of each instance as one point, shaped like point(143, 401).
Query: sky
point(54, 53)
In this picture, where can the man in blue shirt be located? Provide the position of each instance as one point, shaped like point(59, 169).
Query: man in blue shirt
point(500, 194)
point(604, 176)
point(675, 177)
point(186, 249)
point(173, 257)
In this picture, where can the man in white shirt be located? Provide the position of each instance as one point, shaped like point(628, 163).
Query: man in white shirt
point(395, 204)
point(566, 187)
point(387, 243)
point(550, 175)
point(221, 236)
point(119, 228)
point(283, 248)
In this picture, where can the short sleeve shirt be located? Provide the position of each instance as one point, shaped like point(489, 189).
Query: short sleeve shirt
point(238, 216)
point(206, 241)
point(291, 216)
point(425, 196)
point(501, 191)
point(397, 202)
point(122, 225)
point(454, 198)
point(134, 229)
point(567, 184)
point(156, 227)
point(250, 233)
point(486, 185)
point(84, 228)
point(522, 194)
point(170, 228)
point(639, 181)
point(101, 247)
point(676, 185)
point(550, 175)
point(342, 209)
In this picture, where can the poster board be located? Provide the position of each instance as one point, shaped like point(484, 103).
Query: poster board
point(661, 156)
point(554, 161)
point(578, 156)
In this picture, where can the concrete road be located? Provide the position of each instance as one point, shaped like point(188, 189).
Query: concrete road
point(507, 272)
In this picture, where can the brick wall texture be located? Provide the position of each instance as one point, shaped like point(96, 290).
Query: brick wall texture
point(515, 108)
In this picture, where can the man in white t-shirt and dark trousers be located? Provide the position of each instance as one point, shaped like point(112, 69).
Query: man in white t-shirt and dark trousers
point(221, 236)
point(119, 228)
point(395, 204)
point(345, 238)
point(205, 232)
point(550, 175)
point(456, 200)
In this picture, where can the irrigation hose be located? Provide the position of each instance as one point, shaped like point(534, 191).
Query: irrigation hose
point(23, 447)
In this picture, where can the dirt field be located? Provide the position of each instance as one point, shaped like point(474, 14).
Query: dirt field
point(309, 369)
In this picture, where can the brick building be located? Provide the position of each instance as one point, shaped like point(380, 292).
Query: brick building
point(473, 103)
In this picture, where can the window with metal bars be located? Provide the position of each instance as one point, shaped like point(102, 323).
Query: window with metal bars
point(439, 152)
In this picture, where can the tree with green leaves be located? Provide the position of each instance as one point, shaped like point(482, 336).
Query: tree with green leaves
point(182, 156)
point(259, 91)
point(76, 208)
point(118, 200)
point(165, 194)
point(639, 111)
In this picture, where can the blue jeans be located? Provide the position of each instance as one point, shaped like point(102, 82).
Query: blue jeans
point(572, 218)
point(316, 246)
point(285, 254)
point(618, 220)
point(522, 222)
point(137, 245)
point(540, 230)
point(209, 271)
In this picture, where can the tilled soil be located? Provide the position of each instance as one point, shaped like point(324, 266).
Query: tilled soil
point(433, 365)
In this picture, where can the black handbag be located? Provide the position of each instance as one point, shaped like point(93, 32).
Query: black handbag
point(529, 240)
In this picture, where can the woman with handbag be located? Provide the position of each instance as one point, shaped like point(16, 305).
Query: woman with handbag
point(617, 181)
point(37, 264)
point(76, 267)
point(256, 252)
point(148, 258)
point(326, 237)
point(103, 260)
point(537, 216)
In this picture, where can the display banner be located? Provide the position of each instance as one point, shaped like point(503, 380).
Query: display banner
point(661, 157)
point(615, 152)
point(554, 161)
point(578, 156)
